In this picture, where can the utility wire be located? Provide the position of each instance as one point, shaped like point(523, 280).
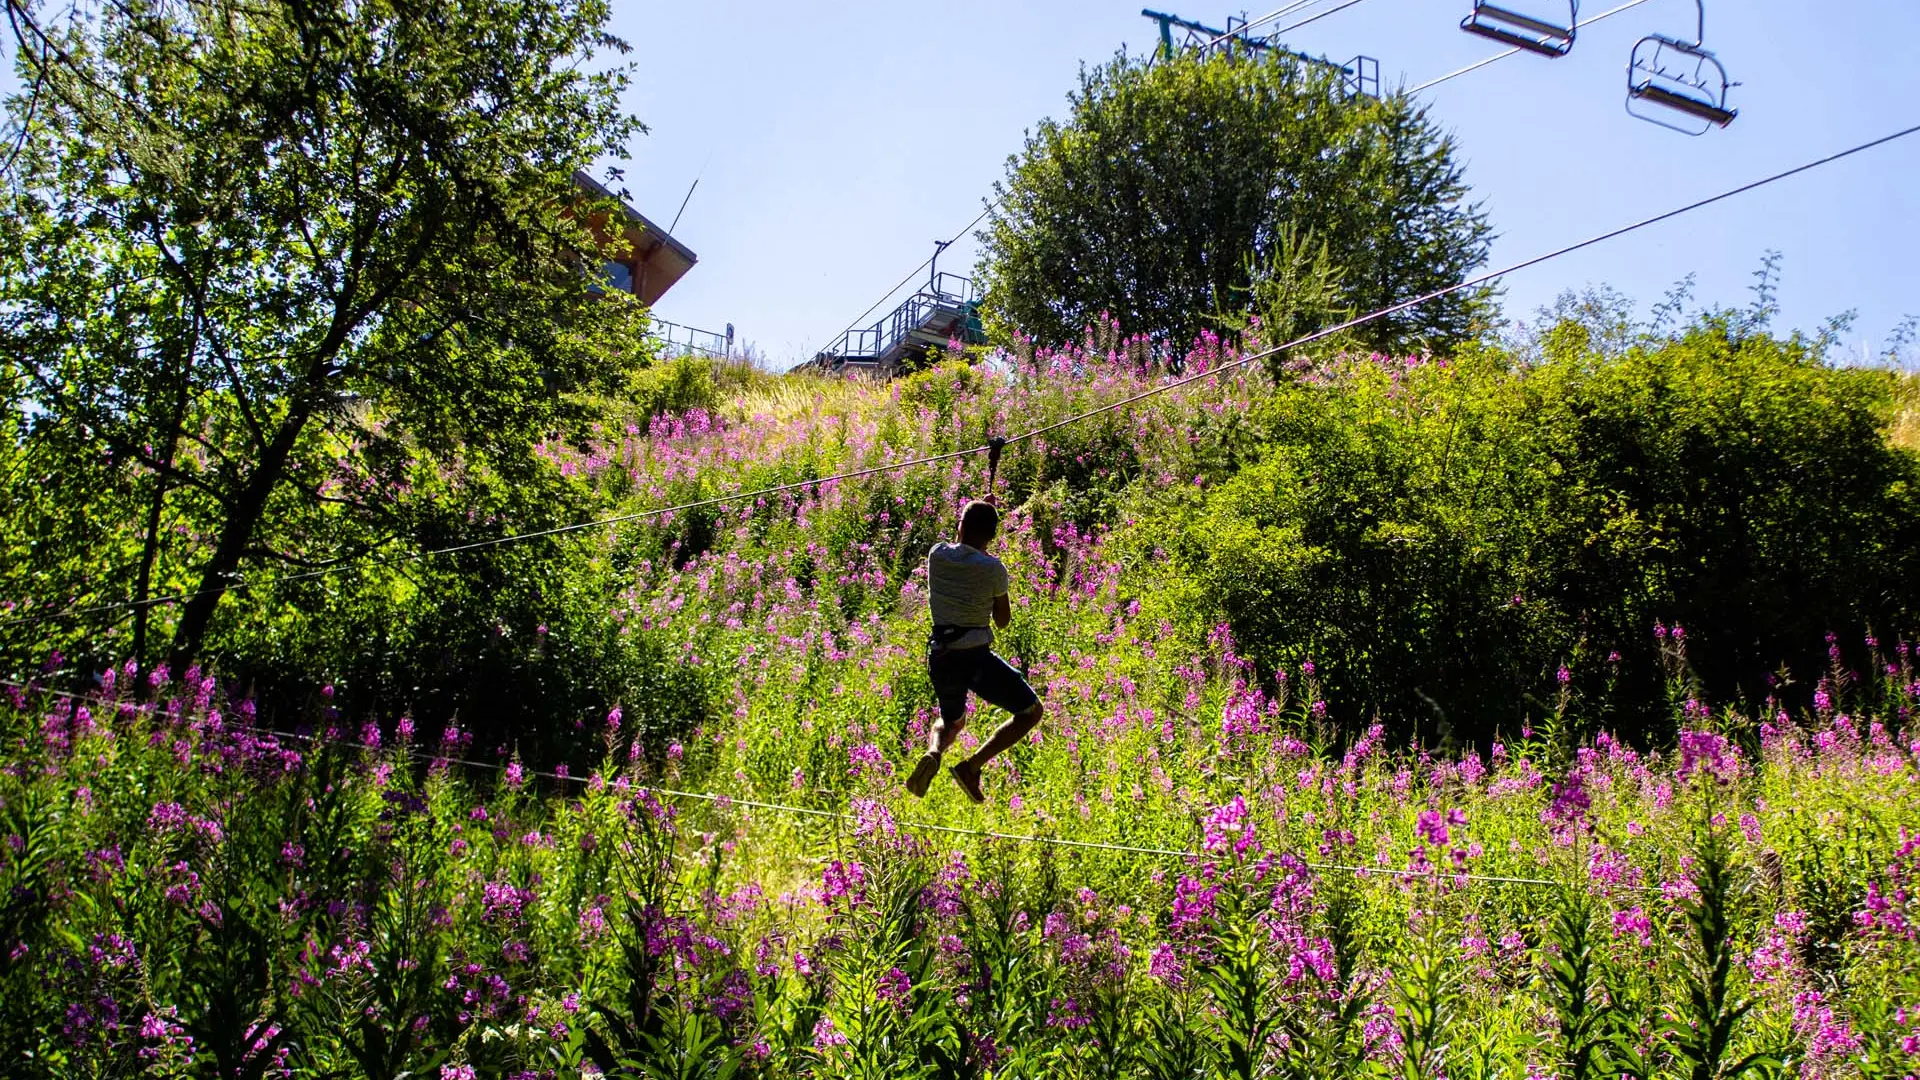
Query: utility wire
point(1478, 64)
point(1317, 335)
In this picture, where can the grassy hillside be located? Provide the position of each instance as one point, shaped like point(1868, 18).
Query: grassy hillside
point(1439, 537)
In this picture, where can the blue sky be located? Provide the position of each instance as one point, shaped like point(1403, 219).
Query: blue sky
point(834, 142)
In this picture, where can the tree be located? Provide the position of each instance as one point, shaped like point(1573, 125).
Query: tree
point(1173, 190)
point(262, 262)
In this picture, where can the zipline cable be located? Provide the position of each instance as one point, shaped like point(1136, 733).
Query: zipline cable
point(721, 800)
point(1317, 335)
point(1478, 64)
point(475, 545)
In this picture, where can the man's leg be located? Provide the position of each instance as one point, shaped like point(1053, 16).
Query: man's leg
point(950, 687)
point(1002, 686)
point(944, 731)
point(1008, 735)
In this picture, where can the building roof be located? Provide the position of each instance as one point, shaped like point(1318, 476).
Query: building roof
point(659, 260)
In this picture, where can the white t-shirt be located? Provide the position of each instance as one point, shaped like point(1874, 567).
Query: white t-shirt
point(962, 583)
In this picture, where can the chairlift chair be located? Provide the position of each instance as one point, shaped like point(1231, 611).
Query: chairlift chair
point(1675, 76)
point(1544, 36)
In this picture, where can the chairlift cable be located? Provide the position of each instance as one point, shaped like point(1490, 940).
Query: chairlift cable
point(1481, 279)
point(1317, 335)
point(1478, 64)
point(1316, 18)
point(911, 274)
point(915, 272)
point(1277, 13)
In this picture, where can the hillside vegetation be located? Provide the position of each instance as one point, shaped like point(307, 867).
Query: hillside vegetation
point(628, 798)
point(1439, 537)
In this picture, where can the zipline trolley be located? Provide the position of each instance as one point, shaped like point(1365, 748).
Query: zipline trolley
point(1666, 76)
point(1545, 36)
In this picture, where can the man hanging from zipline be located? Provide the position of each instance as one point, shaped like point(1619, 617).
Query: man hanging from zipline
point(967, 594)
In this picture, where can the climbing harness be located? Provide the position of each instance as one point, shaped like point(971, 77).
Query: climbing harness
point(1543, 36)
point(1666, 75)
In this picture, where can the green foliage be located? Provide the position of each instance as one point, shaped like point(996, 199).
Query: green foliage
point(1173, 189)
point(325, 908)
point(1573, 986)
point(268, 268)
point(1702, 1034)
point(1425, 1012)
point(1439, 537)
point(683, 383)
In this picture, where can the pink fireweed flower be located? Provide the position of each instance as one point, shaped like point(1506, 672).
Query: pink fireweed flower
point(1633, 922)
point(895, 989)
point(1708, 752)
point(825, 1036)
point(1570, 800)
point(1230, 827)
point(843, 881)
point(1432, 825)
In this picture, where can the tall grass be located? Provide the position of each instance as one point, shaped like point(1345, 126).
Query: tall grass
point(190, 896)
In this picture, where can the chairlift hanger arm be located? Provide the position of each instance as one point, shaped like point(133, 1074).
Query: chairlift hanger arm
point(1700, 28)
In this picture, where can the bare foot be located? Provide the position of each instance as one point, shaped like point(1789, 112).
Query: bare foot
point(922, 774)
point(967, 775)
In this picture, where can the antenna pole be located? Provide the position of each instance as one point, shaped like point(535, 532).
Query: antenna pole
point(683, 206)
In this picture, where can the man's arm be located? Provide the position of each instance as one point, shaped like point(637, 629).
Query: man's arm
point(1002, 611)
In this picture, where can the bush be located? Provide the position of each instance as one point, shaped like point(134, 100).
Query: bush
point(1441, 538)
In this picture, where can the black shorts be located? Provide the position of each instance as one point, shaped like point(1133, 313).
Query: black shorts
point(956, 671)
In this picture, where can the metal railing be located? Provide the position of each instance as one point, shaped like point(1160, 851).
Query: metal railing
point(943, 292)
point(1361, 75)
point(686, 339)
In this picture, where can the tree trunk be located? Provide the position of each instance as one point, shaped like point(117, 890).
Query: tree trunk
point(150, 550)
point(237, 533)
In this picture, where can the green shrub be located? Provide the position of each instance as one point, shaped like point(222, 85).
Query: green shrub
point(1440, 538)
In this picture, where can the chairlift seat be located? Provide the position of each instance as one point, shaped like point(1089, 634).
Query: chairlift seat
point(1520, 30)
point(1696, 85)
point(1700, 94)
point(1694, 107)
point(1525, 22)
